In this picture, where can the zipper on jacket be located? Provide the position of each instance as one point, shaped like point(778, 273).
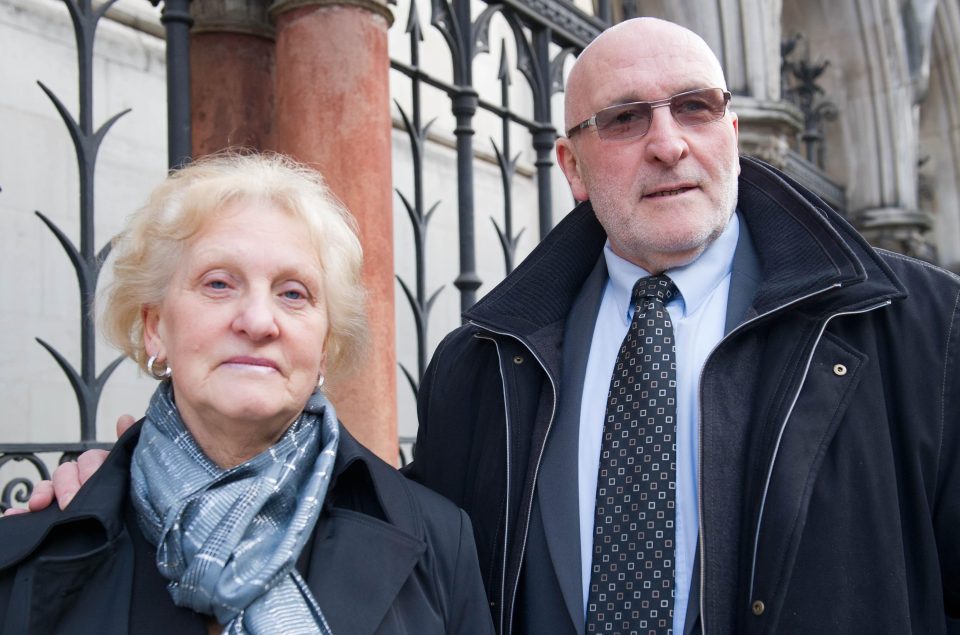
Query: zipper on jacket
point(783, 427)
point(702, 539)
point(506, 514)
point(536, 471)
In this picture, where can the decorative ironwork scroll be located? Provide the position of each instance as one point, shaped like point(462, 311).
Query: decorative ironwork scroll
point(86, 260)
point(420, 303)
point(508, 168)
point(800, 80)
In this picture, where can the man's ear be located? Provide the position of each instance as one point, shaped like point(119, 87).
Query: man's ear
point(152, 342)
point(736, 133)
point(570, 164)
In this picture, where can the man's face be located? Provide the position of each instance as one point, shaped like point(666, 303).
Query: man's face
point(665, 196)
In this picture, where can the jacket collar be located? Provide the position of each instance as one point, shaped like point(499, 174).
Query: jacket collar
point(540, 291)
point(805, 249)
point(349, 543)
point(100, 502)
point(358, 559)
point(389, 487)
point(807, 252)
point(103, 496)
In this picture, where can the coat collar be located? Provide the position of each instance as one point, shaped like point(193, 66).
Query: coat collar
point(99, 502)
point(541, 290)
point(357, 559)
point(103, 496)
point(804, 248)
point(807, 252)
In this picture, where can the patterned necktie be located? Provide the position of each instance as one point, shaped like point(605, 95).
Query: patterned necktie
point(631, 581)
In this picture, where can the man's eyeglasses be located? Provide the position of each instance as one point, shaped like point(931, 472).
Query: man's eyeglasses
point(626, 121)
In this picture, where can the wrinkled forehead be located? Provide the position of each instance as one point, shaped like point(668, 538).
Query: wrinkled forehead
point(639, 65)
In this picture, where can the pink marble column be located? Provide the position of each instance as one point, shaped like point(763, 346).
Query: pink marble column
point(231, 75)
point(332, 111)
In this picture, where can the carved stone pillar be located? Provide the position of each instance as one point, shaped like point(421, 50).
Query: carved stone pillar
point(898, 229)
point(231, 66)
point(885, 204)
point(752, 56)
point(333, 112)
point(766, 128)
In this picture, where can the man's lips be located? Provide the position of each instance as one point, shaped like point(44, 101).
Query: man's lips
point(252, 361)
point(669, 190)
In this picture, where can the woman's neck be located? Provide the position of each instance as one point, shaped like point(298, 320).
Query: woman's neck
point(231, 443)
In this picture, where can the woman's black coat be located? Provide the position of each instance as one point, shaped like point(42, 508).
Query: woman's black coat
point(387, 556)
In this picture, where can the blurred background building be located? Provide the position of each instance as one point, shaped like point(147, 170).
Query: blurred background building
point(434, 121)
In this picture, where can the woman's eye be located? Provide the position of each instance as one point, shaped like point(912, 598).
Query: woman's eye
point(293, 294)
point(217, 284)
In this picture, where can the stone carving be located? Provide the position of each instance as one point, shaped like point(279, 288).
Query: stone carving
point(802, 88)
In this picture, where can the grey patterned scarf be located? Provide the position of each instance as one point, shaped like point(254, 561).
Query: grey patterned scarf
point(228, 540)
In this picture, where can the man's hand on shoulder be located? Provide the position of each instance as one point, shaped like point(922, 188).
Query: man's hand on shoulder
point(69, 477)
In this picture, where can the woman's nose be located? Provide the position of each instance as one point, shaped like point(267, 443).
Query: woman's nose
point(257, 316)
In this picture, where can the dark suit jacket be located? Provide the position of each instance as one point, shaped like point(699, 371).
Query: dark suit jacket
point(551, 583)
point(387, 556)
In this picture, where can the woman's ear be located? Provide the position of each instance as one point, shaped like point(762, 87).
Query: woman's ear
point(152, 342)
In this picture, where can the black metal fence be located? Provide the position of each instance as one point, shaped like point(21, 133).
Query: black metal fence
point(544, 34)
point(86, 258)
point(538, 27)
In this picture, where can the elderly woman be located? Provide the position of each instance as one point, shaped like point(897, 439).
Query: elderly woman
point(239, 503)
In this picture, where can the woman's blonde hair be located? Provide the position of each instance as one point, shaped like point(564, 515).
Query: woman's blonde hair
point(147, 251)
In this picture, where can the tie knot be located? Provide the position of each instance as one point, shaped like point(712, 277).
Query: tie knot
point(660, 288)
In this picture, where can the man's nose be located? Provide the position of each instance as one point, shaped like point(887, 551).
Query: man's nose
point(257, 315)
point(665, 140)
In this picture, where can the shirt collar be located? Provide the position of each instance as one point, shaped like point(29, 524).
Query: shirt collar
point(695, 280)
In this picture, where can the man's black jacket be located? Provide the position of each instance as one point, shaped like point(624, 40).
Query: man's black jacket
point(829, 460)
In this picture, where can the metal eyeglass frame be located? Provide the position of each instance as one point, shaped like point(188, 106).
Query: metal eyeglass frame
point(658, 103)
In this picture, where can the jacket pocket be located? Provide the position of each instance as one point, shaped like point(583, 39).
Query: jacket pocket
point(83, 594)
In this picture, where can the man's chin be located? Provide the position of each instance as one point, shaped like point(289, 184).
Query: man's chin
point(665, 254)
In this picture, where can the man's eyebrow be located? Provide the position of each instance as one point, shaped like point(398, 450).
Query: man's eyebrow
point(627, 98)
point(632, 97)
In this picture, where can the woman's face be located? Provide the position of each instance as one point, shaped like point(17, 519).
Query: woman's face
point(243, 322)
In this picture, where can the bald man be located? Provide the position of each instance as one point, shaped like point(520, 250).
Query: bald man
point(804, 448)
point(703, 403)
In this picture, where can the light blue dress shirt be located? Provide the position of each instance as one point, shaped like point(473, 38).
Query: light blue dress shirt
point(698, 317)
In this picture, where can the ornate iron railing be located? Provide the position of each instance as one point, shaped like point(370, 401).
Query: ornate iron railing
point(86, 259)
point(534, 25)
